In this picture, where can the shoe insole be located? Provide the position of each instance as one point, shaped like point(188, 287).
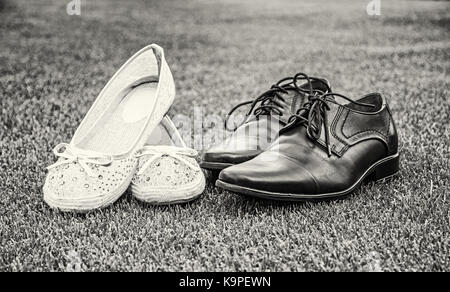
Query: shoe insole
point(122, 123)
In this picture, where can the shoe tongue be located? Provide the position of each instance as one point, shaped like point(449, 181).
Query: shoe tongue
point(263, 130)
point(331, 114)
point(293, 99)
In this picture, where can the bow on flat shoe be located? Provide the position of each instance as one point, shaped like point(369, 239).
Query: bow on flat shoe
point(69, 155)
point(167, 171)
point(157, 152)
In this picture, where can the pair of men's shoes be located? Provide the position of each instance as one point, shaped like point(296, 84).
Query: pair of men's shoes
point(126, 139)
point(327, 145)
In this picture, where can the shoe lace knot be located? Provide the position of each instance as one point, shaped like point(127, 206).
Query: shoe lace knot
point(271, 101)
point(177, 153)
point(87, 160)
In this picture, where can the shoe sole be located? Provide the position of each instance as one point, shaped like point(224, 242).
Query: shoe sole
point(179, 196)
point(382, 169)
point(215, 165)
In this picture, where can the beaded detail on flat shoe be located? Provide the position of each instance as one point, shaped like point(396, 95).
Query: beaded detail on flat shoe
point(165, 166)
point(81, 176)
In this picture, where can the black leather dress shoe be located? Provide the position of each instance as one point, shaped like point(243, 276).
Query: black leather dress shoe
point(267, 115)
point(327, 150)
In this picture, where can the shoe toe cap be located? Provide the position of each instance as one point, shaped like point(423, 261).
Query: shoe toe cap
point(168, 180)
point(260, 173)
point(167, 172)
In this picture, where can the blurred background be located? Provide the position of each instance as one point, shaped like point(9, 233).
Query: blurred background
point(52, 66)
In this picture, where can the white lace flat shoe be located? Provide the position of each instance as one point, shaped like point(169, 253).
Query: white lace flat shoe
point(96, 168)
point(167, 171)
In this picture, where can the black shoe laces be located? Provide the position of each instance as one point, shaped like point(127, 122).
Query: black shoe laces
point(313, 113)
point(270, 100)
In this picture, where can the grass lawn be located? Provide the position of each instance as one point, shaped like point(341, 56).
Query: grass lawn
point(53, 65)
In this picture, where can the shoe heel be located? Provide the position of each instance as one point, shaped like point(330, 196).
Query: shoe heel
point(386, 169)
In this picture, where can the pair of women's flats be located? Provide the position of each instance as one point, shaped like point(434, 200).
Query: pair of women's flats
point(299, 141)
point(126, 139)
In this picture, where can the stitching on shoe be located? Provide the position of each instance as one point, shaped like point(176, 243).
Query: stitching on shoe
point(298, 164)
point(334, 133)
point(360, 132)
point(354, 136)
